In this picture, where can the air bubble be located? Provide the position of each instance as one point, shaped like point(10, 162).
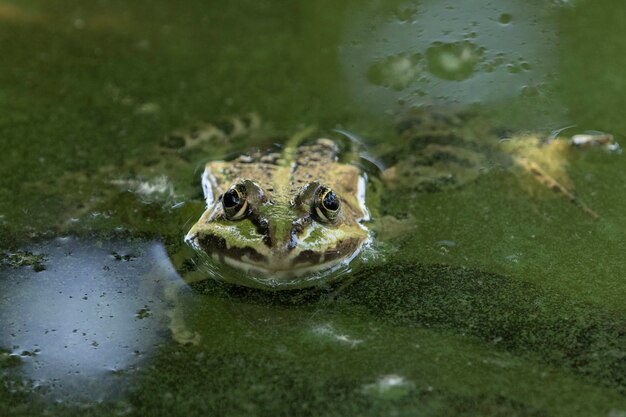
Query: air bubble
point(396, 72)
point(529, 91)
point(453, 61)
point(505, 18)
point(513, 69)
point(406, 15)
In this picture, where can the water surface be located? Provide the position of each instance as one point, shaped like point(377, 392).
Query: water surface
point(496, 304)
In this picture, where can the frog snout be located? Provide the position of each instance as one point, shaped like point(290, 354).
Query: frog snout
point(283, 236)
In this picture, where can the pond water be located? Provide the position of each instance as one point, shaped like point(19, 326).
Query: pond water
point(502, 299)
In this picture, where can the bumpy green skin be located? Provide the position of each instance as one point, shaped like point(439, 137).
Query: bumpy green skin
point(280, 233)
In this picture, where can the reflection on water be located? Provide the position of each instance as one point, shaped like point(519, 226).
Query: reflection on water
point(81, 327)
point(428, 51)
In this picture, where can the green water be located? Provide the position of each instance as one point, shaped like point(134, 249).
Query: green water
point(519, 312)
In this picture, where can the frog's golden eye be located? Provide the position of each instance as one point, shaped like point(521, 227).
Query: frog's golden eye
point(327, 205)
point(235, 203)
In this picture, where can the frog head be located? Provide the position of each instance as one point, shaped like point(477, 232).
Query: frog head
point(280, 232)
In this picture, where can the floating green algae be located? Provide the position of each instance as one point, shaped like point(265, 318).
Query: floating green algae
point(496, 304)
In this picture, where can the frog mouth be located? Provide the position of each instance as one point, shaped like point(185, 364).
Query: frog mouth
point(293, 264)
point(267, 273)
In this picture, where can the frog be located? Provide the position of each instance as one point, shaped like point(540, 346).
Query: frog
point(284, 214)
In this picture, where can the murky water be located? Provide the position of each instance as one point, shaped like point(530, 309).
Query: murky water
point(497, 301)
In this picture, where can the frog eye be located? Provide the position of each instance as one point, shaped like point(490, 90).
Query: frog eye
point(235, 203)
point(327, 205)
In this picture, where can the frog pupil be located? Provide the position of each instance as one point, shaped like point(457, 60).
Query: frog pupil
point(330, 201)
point(230, 199)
